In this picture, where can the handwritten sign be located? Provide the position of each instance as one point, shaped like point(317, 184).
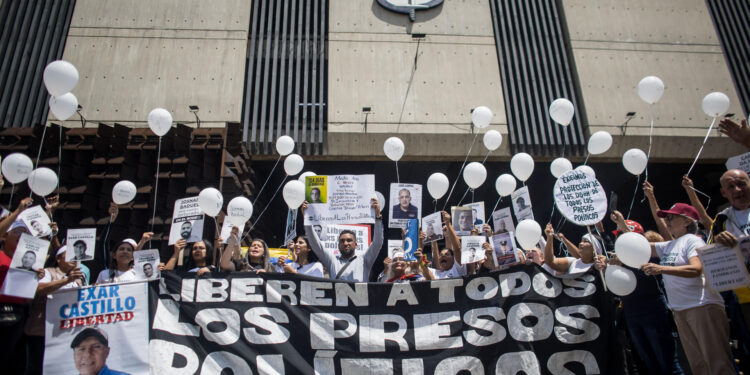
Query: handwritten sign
point(724, 267)
point(347, 201)
point(741, 162)
point(330, 237)
point(580, 198)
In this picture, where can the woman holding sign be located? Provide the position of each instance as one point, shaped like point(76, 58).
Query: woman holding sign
point(698, 311)
point(201, 252)
point(589, 246)
point(305, 262)
point(257, 259)
point(121, 266)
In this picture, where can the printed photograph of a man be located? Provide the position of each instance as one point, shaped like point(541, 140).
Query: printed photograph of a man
point(90, 352)
point(404, 209)
point(315, 195)
point(28, 260)
point(79, 251)
point(148, 270)
point(186, 229)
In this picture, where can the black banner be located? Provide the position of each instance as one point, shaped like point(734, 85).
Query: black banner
point(505, 322)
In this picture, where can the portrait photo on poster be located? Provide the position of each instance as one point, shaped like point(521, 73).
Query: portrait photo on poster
point(463, 220)
point(405, 203)
point(36, 221)
point(477, 212)
point(81, 244)
point(522, 204)
point(502, 221)
point(146, 264)
point(315, 189)
point(187, 221)
point(432, 225)
point(471, 249)
point(31, 253)
point(504, 248)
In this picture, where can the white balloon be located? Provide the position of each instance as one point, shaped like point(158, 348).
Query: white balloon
point(60, 77)
point(505, 184)
point(559, 166)
point(294, 194)
point(481, 117)
point(239, 211)
point(522, 166)
point(634, 161)
point(528, 233)
point(650, 89)
point(393, 148)
point(599, 142)
point(715, 104)
point(586, 169)
point(380, 198)
point(63, 106)
point(437, 185)
point(492, 140)
point(123, 192)
point(293, 164)
point(633, 249)
point(620, 280)
point(284, 145)
point(561, 110)
point(475, 174)
point(210, 201)
point(16, 167)
point(42, 181)
point(304, 175)
point(160, 121)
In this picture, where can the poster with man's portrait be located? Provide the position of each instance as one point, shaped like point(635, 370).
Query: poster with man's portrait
point(405, 204)
point(315, 189)
point(744, 244)
point(477, 213)
point(82, 340)
point(146, 264)
point(471, 249)
point(522, 204)
point(463, 220)
point(81, 244)
point(504, 248)
point(503, 221)
point(432, 225)
point(187, 221)
point(31, 252)
point(36, 221)
point(395, 246)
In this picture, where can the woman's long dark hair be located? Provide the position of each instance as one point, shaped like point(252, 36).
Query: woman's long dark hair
point(113, 261)
point(190, 263)
point(311, 257)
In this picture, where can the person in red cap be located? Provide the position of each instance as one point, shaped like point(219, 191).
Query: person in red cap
point(698, 311)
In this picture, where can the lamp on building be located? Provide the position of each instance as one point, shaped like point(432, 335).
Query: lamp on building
point(366, 111)
point(624, 127)
point(194, 110)
point(83, 119)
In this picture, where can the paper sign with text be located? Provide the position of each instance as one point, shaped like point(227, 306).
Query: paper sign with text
point(580, 198)
point(724, 267)
point(348, 201)
point(741, 162)
point(187, 221)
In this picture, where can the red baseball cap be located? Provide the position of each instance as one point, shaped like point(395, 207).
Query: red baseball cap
point(633, 225)
point(681, 209)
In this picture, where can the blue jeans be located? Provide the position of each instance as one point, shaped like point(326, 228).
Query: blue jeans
point(651, 335)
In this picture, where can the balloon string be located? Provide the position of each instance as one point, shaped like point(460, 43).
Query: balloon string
point(398, 179)
point(601, 240)
point(650, 135)
point(156, 188)
point(635, 192)
point(493, 209)
point(461, 170)
point(701, 149)
point(105, 244)
point(463, 196)
point(587, 158)
point(265, 208)
point(10, 201)
point(486, 156)
point(41, 143)
point(552, 212)
point(59, 159)
point(267, 178)
point(601, 273)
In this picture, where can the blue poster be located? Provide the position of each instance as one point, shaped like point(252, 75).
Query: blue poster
point(411, 241)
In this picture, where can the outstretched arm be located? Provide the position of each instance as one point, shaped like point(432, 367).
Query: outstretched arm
point(572, 248)
point(232, 249)
point(739, 133)
point(557, 264)
point(451, 238)
point(377, 240)
point(648, 190)
point(706, 220)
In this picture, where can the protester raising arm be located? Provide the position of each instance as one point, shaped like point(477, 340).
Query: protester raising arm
point(178, 247)
point(706, 220)
point(317, 246)
point(572, 248)
point(557, 264)
point(451, 238)
point(372, 252)
point(648, 190)
point(13, 216)
point(144, 238)
point(231, 251)
point(739, 133)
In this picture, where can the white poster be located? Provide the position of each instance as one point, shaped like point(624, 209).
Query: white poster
point(345, 199)
point(97, 330)
point(31, 252)
point(36, 221)
point(187, 221)
point(503, 221)
point(331, 234)
point(405, 203)
point(580, 198)
point(395, 246)
point(19, 283)
point(432, 225)
point(477, 213)
point(81, 244)
point(522, 204)
point(741, 162)
point(471, 249)
point(724, 267)
point(504, 248)
point(463, 221)
point(226, 231)
point(146, 264)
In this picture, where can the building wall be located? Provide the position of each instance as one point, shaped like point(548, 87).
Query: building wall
point(136, 55)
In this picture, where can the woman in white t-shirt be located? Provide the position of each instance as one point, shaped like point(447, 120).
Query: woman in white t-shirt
point(121, 264)
point(304, 261)
point(698, 311)
point(589, 246)
point(198, 261)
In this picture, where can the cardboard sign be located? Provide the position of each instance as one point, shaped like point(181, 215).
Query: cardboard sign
point(405, 204)
point(463, 221)
point(395, 246)
point(502, 221)
point(471, 249)
point(31, 252)
point(580, 198)
point(724, 267)
point(146, 264)
point(432, 225)
point(477, 213)
point(347, 200)
point(80, 244)
point(741, 162)
point(411, 240)
point(522, 204)
point(504, 248)
point(187, 221)
point(36, 221)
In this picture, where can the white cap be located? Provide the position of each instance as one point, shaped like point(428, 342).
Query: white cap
point(131, 242)
point(61, 250)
